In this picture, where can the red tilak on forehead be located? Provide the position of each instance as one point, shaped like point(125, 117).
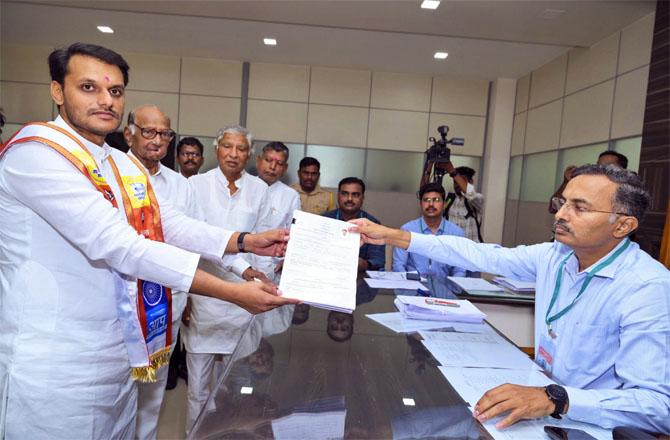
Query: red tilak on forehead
point(107, 78)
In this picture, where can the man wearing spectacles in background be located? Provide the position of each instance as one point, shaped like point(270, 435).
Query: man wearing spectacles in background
point(432, 221)
point(602, 306)
point(148, 135)
point(189, 156)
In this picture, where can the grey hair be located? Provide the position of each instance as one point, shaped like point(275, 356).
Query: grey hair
point(234, 129)
point(131, 116)
point(630, 197)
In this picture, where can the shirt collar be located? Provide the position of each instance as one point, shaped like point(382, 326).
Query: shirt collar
point(317, 190)
point(99, 153)
point(425, 229)
point(160, 165)
point(608, 271)
point(239, 183)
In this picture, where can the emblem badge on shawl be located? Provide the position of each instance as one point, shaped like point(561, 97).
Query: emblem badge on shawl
point(154, 302)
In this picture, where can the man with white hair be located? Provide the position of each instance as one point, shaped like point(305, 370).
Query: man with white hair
point(225, 195)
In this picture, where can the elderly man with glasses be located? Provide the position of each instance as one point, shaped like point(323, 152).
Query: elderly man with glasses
point(602, 306)
point(148, 135)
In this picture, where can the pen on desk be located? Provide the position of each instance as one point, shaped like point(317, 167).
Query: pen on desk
point(440, 302)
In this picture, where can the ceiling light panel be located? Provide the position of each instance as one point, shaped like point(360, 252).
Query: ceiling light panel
point(430, 4)
point(269, 41)
point(440, 55)
point(106, 29)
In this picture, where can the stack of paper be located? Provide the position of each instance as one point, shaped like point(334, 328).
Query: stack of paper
point(400, 324)
point(321, 262)
point(474, 284)
point(472, 383)
point(487, 349)
point(434, 309)
point(515, 285)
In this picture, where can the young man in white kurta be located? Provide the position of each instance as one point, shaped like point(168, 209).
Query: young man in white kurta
point(68, 327)
point(215, 327)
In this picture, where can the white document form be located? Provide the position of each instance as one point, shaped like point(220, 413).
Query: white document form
point(313, 426)
point(472, 383)
point(321, 262)
point(475, 350)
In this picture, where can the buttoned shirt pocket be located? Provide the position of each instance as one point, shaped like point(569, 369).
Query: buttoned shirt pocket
point(583, 347)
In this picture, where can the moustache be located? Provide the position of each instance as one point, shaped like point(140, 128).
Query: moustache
point(189, 162)
point(110, 111)
point(562, 224)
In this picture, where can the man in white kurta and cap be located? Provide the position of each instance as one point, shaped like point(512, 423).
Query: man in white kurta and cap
point(73, 244)
point(228, 197)
point(148, 135)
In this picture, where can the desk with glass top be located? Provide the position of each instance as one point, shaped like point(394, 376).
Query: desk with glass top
point(326, 370)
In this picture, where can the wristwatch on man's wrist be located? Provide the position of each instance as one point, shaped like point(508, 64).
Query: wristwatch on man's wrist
point(559, 396)
point(240, 242)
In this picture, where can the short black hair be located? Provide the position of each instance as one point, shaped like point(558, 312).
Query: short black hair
point(60, 58)
point(466, 172)
point(630, 197)
point(623, 160)
point(432, 187)
point(277, 146)
point(309, 161)
point(194, 142)
point(348, 180)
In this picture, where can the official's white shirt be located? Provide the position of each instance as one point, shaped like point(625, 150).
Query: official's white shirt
point(215, 326)
point(66, 256)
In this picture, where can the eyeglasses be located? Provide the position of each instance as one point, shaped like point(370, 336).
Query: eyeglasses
point(431, 199)
point(558, 202)
point(190, 155)
point(150, 133)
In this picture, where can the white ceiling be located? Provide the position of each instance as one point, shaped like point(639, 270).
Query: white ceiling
point(488, 39)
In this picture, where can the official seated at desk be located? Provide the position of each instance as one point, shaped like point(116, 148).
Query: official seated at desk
point(602, 309)
point(432, 221)
point(350, 197)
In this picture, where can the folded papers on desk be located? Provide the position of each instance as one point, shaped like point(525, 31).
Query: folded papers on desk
point(381, 283)
point(400, 324)
point(515, 285)
point(418, 307)
point(474, 284)
point(472, 383)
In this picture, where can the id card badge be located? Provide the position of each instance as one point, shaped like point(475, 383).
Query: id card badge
point(546, 352)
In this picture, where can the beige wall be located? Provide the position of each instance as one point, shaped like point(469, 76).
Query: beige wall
point(587, 96)
point(380, 111)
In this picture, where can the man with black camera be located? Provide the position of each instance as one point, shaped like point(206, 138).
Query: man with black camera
point(465, 205)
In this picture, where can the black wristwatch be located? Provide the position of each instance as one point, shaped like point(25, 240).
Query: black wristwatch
point(240, 242)
point(559, 397)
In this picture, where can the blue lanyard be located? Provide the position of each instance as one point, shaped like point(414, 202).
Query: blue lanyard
point(550, 319)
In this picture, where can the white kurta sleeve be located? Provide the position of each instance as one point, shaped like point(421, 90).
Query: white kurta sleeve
point(48, 184)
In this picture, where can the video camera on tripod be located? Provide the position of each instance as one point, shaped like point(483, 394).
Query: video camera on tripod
point(438, 155)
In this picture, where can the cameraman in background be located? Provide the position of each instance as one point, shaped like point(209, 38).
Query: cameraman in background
point(464, 207)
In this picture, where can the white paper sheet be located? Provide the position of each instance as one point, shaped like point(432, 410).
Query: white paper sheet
point(383, 275)
point(516, 285)
point(316, 426)
point(475, 350)
point(472, 383)
point(474, 284)
point(378, 283)
point(321, 262)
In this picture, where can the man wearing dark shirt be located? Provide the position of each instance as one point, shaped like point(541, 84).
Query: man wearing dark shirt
point(350, 196)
